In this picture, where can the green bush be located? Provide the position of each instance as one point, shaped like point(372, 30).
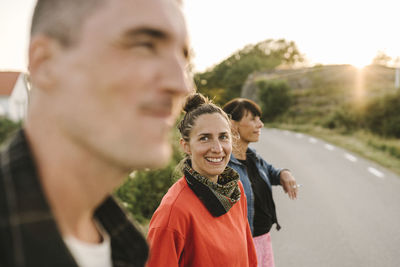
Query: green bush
point(342, 118)
point(143, 190)
point(274, 97)
point(382, 115)
point(231, 73)
point(7, 127)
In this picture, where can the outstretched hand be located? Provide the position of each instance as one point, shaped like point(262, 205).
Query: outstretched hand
point(289, 184)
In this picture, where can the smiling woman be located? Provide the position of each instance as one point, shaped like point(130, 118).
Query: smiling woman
point(201, 221)
point(209, 146)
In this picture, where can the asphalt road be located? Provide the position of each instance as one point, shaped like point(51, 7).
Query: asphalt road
point(348, 209)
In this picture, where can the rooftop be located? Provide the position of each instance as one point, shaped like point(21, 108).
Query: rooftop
point(7, 82)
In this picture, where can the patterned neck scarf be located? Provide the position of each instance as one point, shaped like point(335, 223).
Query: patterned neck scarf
point(219, 197)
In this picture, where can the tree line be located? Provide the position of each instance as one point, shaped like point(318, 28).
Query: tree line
point(143, 190)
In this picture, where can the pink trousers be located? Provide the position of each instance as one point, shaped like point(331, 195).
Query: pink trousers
point(265, 256)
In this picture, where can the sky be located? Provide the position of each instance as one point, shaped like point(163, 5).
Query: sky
point(325, 31)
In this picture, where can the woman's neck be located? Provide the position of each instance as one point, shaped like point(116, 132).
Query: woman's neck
point(213, 179)
point(239, 149)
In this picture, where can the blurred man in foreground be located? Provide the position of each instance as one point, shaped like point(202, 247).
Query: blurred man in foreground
point(108, 78)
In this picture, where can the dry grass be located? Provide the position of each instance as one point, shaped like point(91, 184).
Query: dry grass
point(383, 151)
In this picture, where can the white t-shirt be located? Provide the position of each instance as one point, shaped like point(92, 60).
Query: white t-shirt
point(90, 254)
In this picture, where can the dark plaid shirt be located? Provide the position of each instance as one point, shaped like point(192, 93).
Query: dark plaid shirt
point(28, 232)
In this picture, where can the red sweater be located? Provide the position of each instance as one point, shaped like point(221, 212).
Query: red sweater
point(183, 232)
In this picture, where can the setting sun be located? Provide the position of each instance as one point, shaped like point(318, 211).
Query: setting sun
point(360, 64)
point(338, 32)
point(360, 58)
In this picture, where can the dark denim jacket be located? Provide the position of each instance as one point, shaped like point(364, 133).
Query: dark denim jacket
point(267, 172)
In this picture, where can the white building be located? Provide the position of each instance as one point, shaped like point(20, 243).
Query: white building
point(13, 95)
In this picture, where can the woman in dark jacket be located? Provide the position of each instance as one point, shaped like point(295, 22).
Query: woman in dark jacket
point(257, 176)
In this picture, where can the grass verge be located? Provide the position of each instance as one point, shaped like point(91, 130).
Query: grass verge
point(383, 151)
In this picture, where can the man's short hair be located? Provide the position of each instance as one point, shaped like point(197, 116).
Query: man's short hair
point(62, 19)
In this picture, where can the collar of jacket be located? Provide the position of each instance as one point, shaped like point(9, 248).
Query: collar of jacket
point(249, 152)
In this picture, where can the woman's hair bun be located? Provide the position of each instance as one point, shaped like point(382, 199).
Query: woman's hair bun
point(194, 101)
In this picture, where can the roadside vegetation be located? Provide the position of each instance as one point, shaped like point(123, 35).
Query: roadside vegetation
point(384, 151)
point(7, 128)
point(143, 190)
point(348, 107)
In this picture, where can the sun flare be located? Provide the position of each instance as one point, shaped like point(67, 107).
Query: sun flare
point(360, 62)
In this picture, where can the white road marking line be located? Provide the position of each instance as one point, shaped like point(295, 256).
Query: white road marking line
point(376, 172)
point(329, 147)
point(299, 135)
point(350, 157)
point(312, 140)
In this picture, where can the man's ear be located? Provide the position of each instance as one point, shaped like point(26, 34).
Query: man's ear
point(42, 51)
point(185, 146)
